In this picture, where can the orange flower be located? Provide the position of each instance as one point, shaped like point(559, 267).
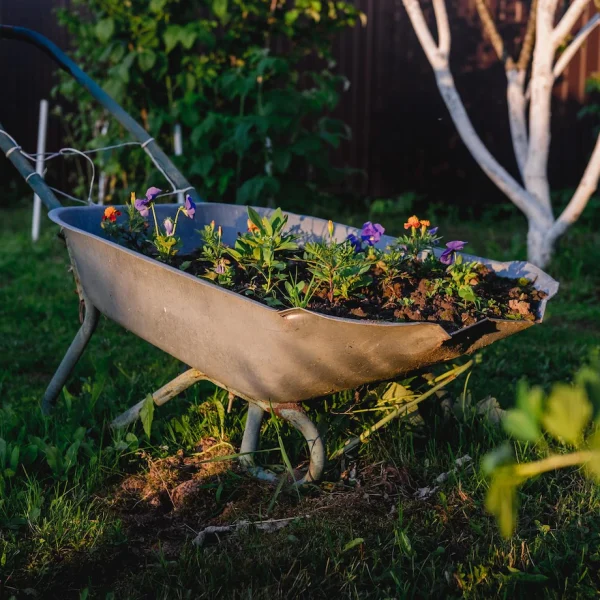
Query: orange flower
point(413, 223)
point(252, 227)
point(425, 223)
point(111, 214)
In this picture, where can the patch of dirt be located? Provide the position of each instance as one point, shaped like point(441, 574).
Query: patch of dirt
point(415, 295)
point(163, 509)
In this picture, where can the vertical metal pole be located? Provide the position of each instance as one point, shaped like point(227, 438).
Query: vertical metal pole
point(178, 150)
point(39, 168)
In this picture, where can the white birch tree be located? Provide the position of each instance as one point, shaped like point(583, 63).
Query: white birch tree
point(529, 83)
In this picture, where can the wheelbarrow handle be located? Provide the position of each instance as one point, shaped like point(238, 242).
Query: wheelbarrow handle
point(126, 120)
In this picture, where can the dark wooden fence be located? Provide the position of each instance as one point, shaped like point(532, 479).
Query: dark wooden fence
point(403, 137)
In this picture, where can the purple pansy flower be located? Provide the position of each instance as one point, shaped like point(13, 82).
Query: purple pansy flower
point(371, 233)
point(220, 268)
point(141, 204)
point(168, 226)
point(152, 192)
point(355, 241)
point(433, 230)
point(448, 255)
point(189, 208)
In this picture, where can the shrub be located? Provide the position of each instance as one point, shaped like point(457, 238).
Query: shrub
point(250, 81)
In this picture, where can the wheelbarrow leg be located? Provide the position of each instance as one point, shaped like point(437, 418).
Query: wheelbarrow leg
point(162, 396)
point(295, 415)
point(250, 443)
point(90, 321)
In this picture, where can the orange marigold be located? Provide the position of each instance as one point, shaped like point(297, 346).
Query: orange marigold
point(425, 223)
point(413, 223)
point(111, 214)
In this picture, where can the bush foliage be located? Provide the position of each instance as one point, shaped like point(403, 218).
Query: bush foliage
point(251, 82)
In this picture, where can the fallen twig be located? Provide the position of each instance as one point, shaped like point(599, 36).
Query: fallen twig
point(269, 526)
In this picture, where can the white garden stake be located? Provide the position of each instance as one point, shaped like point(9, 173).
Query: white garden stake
point(102, 178)
point(178, 149)
point(39, 167)
point(531, 137)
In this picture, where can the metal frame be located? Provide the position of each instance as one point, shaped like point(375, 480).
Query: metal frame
point(292, 413)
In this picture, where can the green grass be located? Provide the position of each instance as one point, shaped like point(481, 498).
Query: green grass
point(69, 529)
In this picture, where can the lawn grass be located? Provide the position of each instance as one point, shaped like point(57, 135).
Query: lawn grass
point(103, 520)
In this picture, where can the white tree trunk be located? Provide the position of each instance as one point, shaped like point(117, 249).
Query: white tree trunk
point(540, 244)
point(531, 147)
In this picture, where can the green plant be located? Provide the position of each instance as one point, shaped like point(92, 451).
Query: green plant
point(214, 252)
point(337, 268)
point(464, 276)
point(299, 293)
point(261, 249)
point(257, 124)
point(570, 415)
point(133, 232)
point(419, 244)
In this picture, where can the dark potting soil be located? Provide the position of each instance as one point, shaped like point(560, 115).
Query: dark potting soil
point(410, 297)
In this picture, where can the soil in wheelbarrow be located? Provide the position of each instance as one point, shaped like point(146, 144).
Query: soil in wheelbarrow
point(421, 292)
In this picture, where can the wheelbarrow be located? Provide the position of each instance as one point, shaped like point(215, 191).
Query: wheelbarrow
point(273, 359)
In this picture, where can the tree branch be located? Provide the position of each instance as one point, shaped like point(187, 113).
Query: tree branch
point(528, 39)
point(498, 175)
point(487, 21)
point(566, 24)
point(542, 80)
point(515, 98)
point(587, 186)
point(415, 14)
point(565, 58)
point(443, 26)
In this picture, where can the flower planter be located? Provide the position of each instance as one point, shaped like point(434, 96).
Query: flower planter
point(274, 359)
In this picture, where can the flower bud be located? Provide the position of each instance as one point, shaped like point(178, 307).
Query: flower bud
point(330, 228)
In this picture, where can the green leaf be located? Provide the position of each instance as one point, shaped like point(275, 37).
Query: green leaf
point(355, 542)
point(219, 8)
point(202, 165)
point(521, 426)
point(498, 457)
point(567, 413)
point(281, 160)
point(146, 59)
point(257, 188)
point(530, 400)
point(54, 459)
point(291, 16)
point(14, 458)
point(157, 5)
point(502, 500)
point(147, 414)
point(255, 219)
point(104, 29)
point(589, 379)
point(187, 36)
point(171, 37)
point(71, 455)
point(29, 454)
point(2, 452)
point(466, 293)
